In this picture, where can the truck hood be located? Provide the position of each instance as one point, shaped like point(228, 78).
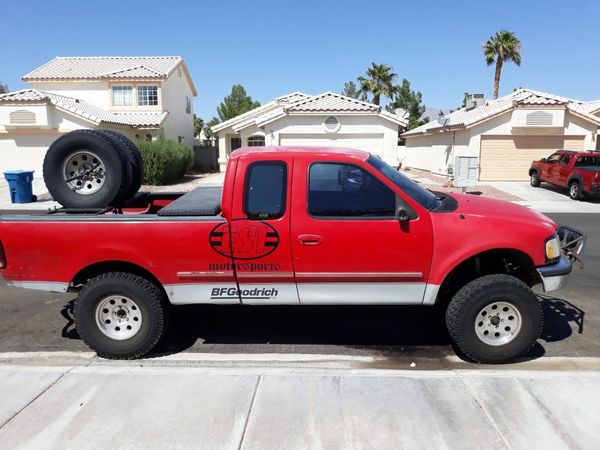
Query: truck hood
point(476, 206)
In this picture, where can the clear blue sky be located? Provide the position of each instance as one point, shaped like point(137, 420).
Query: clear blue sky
point(275, 47)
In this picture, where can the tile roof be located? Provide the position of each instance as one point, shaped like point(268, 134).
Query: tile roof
point(292, 98)
point(92, 67)
point(331, 102)
point(464, 118)
point(84, 109)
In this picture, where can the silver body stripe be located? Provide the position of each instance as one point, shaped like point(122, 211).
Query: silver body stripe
point(431, 292)
point(359, 274)
point(382, 293)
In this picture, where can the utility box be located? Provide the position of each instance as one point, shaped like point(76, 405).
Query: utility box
point(465, 171)
point(19, 183)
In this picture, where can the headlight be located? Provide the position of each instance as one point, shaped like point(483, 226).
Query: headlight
point(552, 249)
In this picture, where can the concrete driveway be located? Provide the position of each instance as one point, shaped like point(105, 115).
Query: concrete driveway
point(546, 198)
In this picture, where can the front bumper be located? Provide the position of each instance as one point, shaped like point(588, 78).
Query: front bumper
point(555, 276)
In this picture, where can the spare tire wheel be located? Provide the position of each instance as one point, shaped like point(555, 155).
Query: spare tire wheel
point(86, 170)
point(133, 156)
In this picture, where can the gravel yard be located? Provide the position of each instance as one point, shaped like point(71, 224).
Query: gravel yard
point(187, 183)
point(440, 183)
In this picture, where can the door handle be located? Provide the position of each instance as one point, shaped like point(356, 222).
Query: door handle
point(309, 239)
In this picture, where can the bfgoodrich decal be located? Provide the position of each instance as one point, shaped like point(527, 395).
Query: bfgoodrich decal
point(248, 294)
point(244, 239)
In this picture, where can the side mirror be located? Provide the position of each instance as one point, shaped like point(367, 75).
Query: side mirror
point(543, 160)
point(403, 211)
point(402, 215)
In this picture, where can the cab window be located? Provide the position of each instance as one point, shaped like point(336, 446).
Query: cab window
point(565, 160)
point(345, 190)
point(265, 190)
point(553, 158)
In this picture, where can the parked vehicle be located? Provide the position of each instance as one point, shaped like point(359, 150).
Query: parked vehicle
point(296, 226)
point(577, 171)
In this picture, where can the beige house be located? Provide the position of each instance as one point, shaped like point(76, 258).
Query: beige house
point(143, 97)
point(506, 134)
point(325, 120)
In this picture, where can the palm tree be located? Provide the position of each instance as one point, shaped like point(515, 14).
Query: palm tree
point(504, 46)
point(380, 81)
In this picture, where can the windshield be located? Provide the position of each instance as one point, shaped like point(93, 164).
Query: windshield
point(422, 196)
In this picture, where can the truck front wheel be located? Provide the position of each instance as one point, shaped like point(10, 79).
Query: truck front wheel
point(494, 319)
point(120, 315)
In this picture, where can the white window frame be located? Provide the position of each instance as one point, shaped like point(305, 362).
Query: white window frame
point(121, 90)
point(147, 96)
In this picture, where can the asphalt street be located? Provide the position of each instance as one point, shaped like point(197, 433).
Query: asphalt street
point(39, 321)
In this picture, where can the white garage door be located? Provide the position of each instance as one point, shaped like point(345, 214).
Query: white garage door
point(24, 152)
point(369, 142)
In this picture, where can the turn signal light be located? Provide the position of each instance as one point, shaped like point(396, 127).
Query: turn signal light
point(2, 257)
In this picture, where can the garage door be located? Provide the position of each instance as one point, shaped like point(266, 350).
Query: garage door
point(24, 152)
point(509, 158)
point(370, 142)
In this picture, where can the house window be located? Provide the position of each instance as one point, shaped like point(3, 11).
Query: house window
point(122, 96)
point(188, 105)
point(256, 141)
point(235, 143)
point(147, 95)
point(148, 138)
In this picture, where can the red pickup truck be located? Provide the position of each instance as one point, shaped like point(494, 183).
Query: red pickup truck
point(578, 171)
point(296, 226)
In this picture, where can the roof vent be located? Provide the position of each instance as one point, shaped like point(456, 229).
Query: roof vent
point(473, 101)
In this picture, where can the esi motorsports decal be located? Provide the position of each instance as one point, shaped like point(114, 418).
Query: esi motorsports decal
point(244, 239)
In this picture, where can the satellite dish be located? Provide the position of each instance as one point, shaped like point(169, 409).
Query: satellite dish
point(402, 113)
point(443, 120)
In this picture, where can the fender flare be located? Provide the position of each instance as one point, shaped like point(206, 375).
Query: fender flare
point(575, 177)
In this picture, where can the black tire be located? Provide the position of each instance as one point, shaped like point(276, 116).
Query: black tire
point(135, 159)
point(116, 180)
point(534, 179)
point(575, 190)
point(148, 299)
point(462, 318)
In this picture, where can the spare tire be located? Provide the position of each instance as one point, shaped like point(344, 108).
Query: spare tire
point(86, 170)
point(134, 157)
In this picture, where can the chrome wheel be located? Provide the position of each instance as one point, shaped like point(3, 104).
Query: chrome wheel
point(84, 172)
point(574, 191)
point(118, 317)
point(498, 323)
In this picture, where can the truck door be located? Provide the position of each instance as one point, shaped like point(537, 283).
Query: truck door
point(549, 168)
point(259, 233)
point(348, 245)
point(564, 169)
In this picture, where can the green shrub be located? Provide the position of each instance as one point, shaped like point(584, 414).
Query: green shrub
point(165, 161)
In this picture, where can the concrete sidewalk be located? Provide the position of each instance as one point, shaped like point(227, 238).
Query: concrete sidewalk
point(103, 404)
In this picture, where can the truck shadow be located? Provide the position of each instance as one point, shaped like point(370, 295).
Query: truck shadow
point(564, 191)
point(386, 329)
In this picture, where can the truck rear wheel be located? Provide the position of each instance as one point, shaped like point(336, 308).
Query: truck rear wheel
point(120, 315)
point(494, 319)
point(575, 190)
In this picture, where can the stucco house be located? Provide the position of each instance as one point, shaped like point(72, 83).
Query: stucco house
point(505, 134)
point(327, 119)
point(142, 97)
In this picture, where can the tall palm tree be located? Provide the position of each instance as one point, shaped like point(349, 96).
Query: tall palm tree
point(380, 81)
point(504, 46)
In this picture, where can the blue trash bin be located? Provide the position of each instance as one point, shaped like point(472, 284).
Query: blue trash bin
point(19, 182)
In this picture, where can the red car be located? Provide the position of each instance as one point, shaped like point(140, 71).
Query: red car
point(297, 226)
point(577, 171)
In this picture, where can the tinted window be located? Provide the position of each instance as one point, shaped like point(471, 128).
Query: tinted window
point(565, 160)
point(553, 158)
point(425, 198)
point(346, 190)
point(264, 194)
